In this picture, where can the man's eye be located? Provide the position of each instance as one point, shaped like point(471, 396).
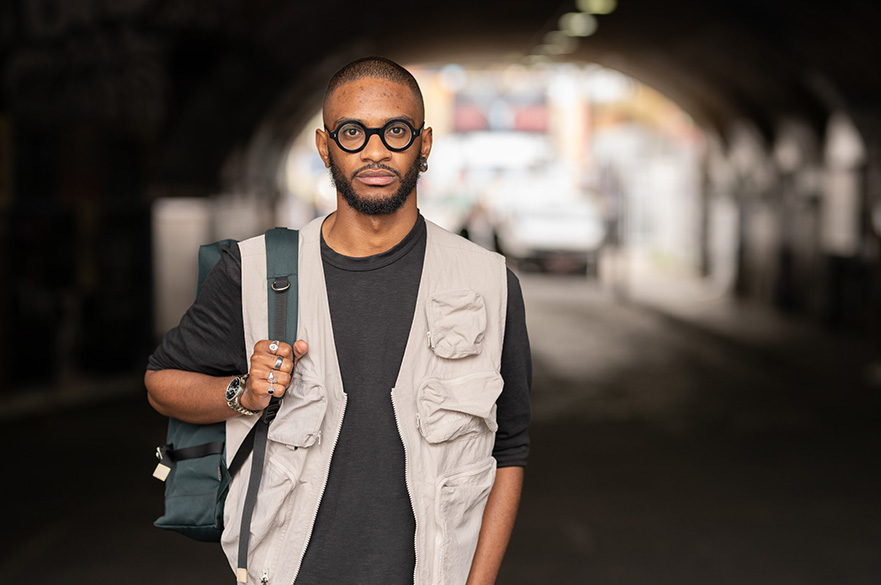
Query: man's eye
point(351, 132)
point(397, 131)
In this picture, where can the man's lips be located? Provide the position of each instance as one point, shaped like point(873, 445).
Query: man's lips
point(376, 178)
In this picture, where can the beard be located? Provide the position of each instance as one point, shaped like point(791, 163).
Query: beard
point(378, 206)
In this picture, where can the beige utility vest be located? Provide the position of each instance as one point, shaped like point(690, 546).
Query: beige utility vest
point(444, 403)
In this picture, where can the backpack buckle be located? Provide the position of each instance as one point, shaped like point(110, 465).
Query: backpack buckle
point(281, 284)
point(270, 411)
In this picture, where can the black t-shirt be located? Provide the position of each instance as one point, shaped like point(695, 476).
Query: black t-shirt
point(364, 529)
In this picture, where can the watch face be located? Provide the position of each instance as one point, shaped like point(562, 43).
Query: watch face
point(233, 388)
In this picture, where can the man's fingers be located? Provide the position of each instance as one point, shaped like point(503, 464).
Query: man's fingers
point(274, 363)
point(257, 395)
point(276, 384)
point(300, 348)
point(275, 347)
point(265, 363)
point(282, 360)
point(264, 375)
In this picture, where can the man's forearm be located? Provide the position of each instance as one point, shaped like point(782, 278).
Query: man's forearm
point(188, 396)
point(498, 523)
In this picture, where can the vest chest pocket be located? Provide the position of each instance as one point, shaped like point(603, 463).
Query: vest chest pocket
point(298, 422)
point(451, 408)
point(456, 323)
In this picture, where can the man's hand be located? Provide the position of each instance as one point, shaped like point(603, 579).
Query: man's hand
point(498, 523)
point(201, 399)
point(271, 371)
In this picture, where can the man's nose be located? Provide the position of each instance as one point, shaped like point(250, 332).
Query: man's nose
point(375, 149)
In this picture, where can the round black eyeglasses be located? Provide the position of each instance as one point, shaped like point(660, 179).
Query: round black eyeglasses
point(396, 135)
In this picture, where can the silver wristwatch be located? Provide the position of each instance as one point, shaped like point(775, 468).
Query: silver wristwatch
point(234, 394)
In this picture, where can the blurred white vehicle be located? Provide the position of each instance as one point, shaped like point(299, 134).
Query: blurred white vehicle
point(558, 235)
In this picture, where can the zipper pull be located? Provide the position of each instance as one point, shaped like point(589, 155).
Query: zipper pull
point(265, 578)
point(429, 340)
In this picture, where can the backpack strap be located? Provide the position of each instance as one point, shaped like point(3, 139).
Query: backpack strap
point(282, 248)
point(209, 255)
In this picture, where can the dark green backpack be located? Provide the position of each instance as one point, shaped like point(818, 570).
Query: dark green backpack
point(192, 462)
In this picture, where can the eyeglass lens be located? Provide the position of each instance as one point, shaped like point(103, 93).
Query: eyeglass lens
point(396, 135)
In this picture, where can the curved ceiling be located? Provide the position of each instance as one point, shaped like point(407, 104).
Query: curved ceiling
point(236, 70)
point(721, 60)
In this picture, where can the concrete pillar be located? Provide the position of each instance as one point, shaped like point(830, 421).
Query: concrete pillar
point(754, 185)
point(722, 220)
point(797, 156)
point(840, 229)
point(180, 226)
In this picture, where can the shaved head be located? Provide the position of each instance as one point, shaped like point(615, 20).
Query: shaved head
point(374, 68)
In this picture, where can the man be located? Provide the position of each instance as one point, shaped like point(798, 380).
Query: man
point(397, 455)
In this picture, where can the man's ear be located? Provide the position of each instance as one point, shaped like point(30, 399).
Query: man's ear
point(427, 138)
point(321, 145)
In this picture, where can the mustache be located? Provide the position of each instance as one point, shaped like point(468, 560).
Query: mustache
point(376, 167)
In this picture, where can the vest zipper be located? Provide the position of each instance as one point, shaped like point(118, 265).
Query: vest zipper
point(336, 438)
point(407, 483)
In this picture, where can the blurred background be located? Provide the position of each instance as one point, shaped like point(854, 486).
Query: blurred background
point(689, 191)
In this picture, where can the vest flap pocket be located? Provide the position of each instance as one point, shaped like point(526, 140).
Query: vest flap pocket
point(298, 422)
point(458, 406)
point(270, 512)
point(461, 499)
point(456, 323)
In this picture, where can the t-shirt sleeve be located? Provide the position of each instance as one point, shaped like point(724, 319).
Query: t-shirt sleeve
point(210, 336)
point(513, 411)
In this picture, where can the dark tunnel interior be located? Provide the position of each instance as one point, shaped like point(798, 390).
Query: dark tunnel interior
point(713, 421)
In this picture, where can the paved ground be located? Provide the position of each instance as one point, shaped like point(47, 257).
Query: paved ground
point(695, 442)
point(678, 439)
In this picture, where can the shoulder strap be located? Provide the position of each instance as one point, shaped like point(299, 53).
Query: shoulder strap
point(209, 254)
point(282, 248)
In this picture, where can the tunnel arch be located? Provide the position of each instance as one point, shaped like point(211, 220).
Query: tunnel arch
point(730, 66)
point(720, 61)
point(107, 107)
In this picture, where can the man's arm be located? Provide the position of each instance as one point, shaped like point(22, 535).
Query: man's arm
point(498, 523)
point(201, 398)
point(188, 396)
point(512, 443)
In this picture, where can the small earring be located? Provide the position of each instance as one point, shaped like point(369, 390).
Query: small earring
point(423, 164)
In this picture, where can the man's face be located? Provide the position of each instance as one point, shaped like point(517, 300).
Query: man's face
point(375, 180)
point(378, 205)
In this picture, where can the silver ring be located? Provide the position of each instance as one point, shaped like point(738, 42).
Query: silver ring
point(271, 378)
point(273, 347)
point(278, 362)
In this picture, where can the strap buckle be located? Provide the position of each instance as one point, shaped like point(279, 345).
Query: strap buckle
point(281, 284)
point(270, 411)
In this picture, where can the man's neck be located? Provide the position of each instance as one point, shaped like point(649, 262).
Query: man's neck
point(354, 234)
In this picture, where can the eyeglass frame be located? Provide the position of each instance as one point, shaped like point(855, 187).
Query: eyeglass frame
point(368, 132)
